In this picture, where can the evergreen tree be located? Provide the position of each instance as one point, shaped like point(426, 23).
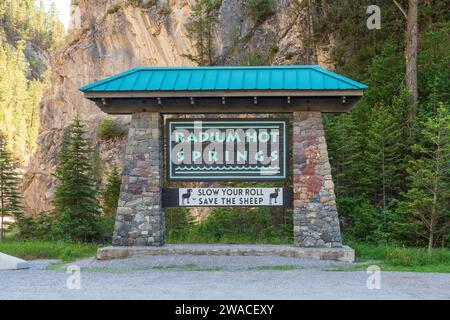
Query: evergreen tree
point(427, 202)
point(111, 192)
point(201, 27)
point(10, 196)
point(385, 152)
point(75, 196)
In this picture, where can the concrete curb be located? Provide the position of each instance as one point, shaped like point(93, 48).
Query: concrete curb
point(8, 262)
point(344, 254)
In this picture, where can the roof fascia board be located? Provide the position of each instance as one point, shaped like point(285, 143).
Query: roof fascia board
point(225, 93)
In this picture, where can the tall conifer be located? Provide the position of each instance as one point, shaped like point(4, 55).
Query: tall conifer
point(75, 197)
point(10, 195)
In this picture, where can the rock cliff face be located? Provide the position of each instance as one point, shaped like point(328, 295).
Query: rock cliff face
point(108, 37)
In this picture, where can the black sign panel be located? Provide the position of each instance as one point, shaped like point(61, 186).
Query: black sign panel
point(231, 149)
point(227, 197)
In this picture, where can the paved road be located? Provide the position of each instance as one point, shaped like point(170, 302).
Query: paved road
point(203, 277)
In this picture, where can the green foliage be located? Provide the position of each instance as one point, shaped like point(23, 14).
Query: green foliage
point(164, 9)
point(145, 3)
point(149, 3)
point(134, 3)
point(427, 201)
point(178, 222)
point(254, 59)
point(26, 30)
point(433, 62)
point(97, 168)
point(24, 20)
point(357, 218)
point(200, 29)
point(229, 225)
point(42, 226)
point(109, 129)
point(10, 195)
point(75, 202)
point(260, 10)
point(383, 163)
point(110, 193)
point(66, 252)
point(396, 258)
point(19, 102)
point(113, 9)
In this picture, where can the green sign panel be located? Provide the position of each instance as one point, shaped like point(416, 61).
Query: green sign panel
point(232, 149)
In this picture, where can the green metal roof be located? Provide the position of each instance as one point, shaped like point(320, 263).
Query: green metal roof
point(224, 79)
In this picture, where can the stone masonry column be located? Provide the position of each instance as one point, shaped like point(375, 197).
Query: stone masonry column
point(316, 221)
point(140, 217)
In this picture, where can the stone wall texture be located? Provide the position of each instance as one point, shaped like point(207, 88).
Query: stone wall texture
point(140, 217)
point(316, 222)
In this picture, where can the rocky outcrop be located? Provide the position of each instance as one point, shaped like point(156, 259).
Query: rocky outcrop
point(107, 37)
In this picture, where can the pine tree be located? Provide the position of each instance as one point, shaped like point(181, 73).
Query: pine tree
point(111, 192)
point(385, 150)
point(10, 196)
point(201, 27)
point(75, 201)
point(427, 201)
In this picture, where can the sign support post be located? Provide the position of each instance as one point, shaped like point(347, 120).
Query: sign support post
point(316, 222)
point(140, 217)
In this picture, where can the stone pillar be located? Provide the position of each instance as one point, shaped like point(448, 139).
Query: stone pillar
point(316, 221)
point(140, 217)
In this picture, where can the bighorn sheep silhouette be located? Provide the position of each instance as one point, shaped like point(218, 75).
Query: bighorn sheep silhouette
point(186, 196)
point(274, 196)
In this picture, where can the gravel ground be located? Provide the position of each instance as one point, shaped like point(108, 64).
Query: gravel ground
point(216, 277)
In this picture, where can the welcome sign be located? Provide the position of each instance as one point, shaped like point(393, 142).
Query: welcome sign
point(232, 149)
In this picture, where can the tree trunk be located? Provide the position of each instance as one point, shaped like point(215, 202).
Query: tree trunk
point(430, 239)
point(412, 44)
point(2, 205)
point(433, 218)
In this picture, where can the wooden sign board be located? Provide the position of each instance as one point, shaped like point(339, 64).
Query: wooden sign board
point(227, 197)
point(226, 150)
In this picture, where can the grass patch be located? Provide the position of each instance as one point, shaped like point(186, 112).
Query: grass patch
point(169, 267)
point(31, 250)
point(278, 268)
point(186, 267)
point(391, 258)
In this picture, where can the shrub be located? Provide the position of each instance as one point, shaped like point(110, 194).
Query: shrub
point(178, 222)
point(225, 225)
point(357, 218)
point(254, 59)
point(134, 3)
point(110, 193)
point(260, 10)
point(164, 9)
point(113, 9)
point(48, 226)
point(149, 3)
point(105, 227)
point(109, 129)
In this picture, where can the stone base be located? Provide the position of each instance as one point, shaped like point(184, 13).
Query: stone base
point(8, 262)
point(344, 254)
